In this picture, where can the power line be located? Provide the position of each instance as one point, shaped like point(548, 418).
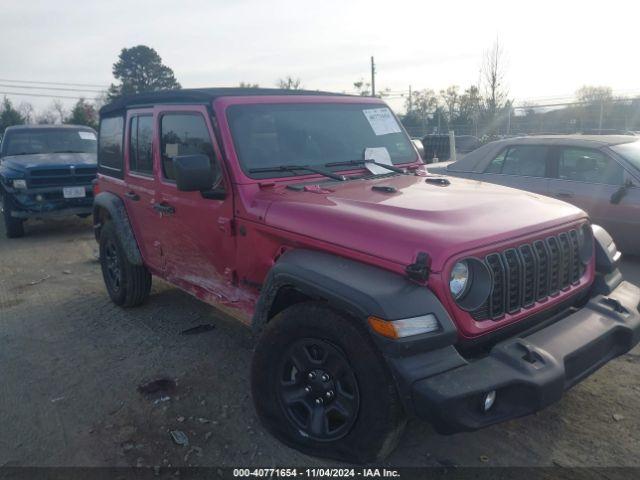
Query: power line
point(30, 87)
point(26, 94)
point(64, 84)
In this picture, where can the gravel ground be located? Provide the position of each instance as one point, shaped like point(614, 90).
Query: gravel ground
point(71, 363)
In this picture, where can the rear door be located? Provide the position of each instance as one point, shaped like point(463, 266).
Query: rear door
point(520, 166)
point(141, 186)
point(198, 241)
point(588, 178)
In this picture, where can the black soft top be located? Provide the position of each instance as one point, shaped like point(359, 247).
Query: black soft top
point(197, 95)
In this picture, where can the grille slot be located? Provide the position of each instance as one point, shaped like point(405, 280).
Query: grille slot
point(496, 298)
point(60, 177)
point(567, 258)
point(532, 272)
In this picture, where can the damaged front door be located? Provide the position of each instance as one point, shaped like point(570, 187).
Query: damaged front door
point(198, 245)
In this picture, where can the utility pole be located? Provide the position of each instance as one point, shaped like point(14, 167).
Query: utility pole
point(410, 100)
point(601, 114)
point(373, 77)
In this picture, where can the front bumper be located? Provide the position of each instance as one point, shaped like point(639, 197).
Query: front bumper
point(528, 372)
point(25, 203)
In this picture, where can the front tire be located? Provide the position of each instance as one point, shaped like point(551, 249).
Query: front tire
point(320, 385)
point(128, 285)
point(13, 227)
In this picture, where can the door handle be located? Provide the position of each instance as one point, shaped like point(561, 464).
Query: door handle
point(132, 196)
point(564, 194)
point(164, 208)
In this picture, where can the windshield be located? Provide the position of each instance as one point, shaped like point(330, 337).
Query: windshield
point(60, 140)
point(630, 151)
point(268, 135)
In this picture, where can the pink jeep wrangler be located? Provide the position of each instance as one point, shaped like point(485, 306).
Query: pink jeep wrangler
point(377, 291)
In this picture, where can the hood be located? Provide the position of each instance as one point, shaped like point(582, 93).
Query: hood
point(48, 160)
point(419, 216)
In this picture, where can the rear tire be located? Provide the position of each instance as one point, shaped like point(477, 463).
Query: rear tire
point(13, 227)
point(128, 285)
point(310, 352)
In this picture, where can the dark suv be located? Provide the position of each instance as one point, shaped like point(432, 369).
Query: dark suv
point(377, 291)
point(45, 171)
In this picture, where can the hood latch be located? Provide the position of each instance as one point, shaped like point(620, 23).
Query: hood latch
point(420, 269)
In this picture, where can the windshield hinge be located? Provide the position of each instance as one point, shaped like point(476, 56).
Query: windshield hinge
point(419, 270)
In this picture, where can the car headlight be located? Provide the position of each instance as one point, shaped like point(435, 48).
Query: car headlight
point(459, 280)
point(585, 243)
point(20, 183)
point(470, 283)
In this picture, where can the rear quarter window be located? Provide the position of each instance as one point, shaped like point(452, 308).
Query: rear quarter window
point(110, 142)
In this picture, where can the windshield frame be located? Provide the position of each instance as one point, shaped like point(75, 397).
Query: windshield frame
point(42, 129)
point(222, 108)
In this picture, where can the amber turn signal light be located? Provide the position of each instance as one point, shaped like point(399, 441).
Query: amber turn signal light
point(405, 327)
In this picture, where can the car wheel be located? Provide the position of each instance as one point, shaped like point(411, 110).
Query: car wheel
point(320, 386)
point(13, 227)
point(128, 284)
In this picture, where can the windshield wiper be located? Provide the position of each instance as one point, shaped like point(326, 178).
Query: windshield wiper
point(361, 162)
point(292, 168)
point(67, 151)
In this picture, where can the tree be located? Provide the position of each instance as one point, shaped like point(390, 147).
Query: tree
point(594, 95)
point(26, 110)
point(450, 102)
point(596, 105)
point(493, 74)
point(362, 88)
point(83, 113)
point(248, 85)
point(47, 117)
point(420, 107)
point(59, 109)
point(290, 83)
point(140, 69)
point(9, 116)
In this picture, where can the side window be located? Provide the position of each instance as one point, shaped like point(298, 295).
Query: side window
point(110, 145)
point(141, 136)
point(183, 134)
point(496, 164)
point(587, 165)
point(521, 160)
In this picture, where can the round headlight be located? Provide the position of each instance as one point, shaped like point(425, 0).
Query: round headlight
point(459, 281)
point(585, 243)
point(470, 283)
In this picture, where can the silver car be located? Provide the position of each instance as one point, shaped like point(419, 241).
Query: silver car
point(600, 174)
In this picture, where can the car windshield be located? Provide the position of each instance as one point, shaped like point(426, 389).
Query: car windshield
point(50, 140)
point(630, 151)
point(278, 135)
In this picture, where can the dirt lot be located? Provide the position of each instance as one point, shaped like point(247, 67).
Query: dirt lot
point(71, 363)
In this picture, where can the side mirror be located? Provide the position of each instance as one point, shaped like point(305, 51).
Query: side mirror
point(619, 194)
point(194, 173)
point(419, 146)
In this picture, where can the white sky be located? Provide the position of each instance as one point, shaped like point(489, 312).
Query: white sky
point(552, 47)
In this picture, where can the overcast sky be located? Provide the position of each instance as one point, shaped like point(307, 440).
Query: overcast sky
point(552, 47)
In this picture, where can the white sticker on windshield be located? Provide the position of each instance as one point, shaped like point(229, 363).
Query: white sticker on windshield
point(382, 121)
point(87, 135)
point(378, 155)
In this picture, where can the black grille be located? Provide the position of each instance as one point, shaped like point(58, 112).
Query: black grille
point(530, 272)
point(61, 177)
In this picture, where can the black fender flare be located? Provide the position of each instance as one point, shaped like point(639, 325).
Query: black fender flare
point(118, 215)
point(362, 290)
point(356, 288)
